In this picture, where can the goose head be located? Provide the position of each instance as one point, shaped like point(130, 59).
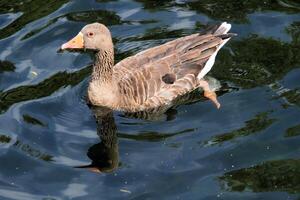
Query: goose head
point(95, 37)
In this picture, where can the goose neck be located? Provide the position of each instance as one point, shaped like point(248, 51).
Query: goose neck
point(103, 64)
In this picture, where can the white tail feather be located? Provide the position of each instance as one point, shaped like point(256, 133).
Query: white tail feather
point(223, 29)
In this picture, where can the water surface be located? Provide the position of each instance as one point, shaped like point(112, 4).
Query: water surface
point(53, 146)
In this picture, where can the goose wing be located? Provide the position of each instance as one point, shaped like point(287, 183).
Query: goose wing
point(173, 66)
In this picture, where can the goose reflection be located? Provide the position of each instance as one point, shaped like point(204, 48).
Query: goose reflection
point(105, 155)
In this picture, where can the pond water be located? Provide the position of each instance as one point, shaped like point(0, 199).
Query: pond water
point(52, 146)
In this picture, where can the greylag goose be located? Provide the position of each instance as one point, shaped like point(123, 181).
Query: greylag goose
point(151, 78)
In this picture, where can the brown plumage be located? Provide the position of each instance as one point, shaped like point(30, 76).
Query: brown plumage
point(153, 77)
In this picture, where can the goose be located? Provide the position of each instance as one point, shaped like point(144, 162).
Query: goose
point(154, 77)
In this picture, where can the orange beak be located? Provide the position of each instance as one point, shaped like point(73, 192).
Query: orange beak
point(75, 43)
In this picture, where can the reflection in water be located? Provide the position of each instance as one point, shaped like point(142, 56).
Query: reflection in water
point(31, 120)
point(42, 89)
point(228, 10)
point(6, 66)
point(102, 16)
point(26, 148)
point(104, 155)
point(238, 11)
point(293, 131)
point(4, 139)
point(159, 33)
point(259, 123)
point(157, 5)
point(108, 18)
point(255, 64)
point(280, 175)
point(31, 9)
point(294, 31)
point(32, 151)
point(292, 96)
point(153, 136)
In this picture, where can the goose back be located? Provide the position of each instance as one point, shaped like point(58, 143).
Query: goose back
point(156, 76)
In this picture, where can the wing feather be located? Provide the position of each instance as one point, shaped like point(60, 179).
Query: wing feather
point(140, 79)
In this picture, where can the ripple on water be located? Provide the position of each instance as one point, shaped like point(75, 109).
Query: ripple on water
point(249, 149)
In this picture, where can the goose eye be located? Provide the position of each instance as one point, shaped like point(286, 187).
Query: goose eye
point(90, 34)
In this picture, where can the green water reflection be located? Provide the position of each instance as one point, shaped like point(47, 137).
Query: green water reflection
point(6, 66)
point(31, 10)
point(259, 123)
point(293, 131)
point(42, 89)
point(279, 175)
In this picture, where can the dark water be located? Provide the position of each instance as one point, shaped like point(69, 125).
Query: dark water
point(249, 149)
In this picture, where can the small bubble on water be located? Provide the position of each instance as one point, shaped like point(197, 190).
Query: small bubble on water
point(125, 191)
point(33, 73)
point(219, 195)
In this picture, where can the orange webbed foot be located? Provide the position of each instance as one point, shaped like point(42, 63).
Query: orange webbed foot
point(208, 93)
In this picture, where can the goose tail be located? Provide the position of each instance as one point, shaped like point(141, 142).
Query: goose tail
point(223, 29)
point(222, 32)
